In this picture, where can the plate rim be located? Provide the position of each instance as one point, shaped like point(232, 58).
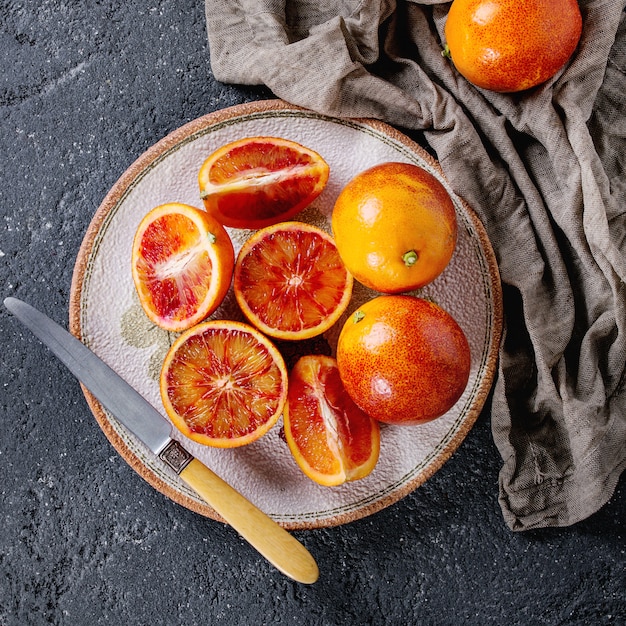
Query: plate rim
point(187, 132)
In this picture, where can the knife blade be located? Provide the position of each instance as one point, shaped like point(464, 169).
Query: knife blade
point(272, 541)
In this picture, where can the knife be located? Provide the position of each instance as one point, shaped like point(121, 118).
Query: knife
point(278, 546)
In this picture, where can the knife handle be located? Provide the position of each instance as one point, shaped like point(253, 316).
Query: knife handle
point(280, 548)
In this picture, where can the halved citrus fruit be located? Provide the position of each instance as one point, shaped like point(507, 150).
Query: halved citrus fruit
point(182, 262)
point(331, 438)
point(290, 281)
point(223, 384)
point(259, 181)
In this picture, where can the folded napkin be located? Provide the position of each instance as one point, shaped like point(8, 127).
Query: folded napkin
point(544, 170)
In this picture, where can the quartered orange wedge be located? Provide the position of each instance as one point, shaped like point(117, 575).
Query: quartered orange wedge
point(331, 439)
point(259, 181)
point(223, 384)
point(290, 281)
point(182, 262)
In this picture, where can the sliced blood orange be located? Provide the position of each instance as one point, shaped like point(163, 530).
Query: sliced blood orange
point(182, 263)
point(223, 384)
point(330, 437)
point(290, 281)
point(259, 181)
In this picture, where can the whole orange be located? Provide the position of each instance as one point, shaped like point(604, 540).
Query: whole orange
point(403, 360)
point(395, 227)
point(511, 45)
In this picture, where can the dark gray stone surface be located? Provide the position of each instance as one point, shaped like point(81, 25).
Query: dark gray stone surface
point(85, 88)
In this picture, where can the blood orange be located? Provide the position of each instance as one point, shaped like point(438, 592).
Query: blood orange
point(182, 263)
point(223, 384)
point(403, 360)
point(290, 281)
point(331, 439)
point(259, 181)
point(508, 45)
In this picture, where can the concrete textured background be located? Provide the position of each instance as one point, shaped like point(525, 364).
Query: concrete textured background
point(85, 88)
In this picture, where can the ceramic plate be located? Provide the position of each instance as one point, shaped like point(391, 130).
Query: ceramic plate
point(105, 314)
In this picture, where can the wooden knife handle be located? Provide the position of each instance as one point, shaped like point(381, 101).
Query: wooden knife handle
point(280, 548)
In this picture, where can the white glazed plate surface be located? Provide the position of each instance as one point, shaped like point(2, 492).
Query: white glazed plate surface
point(106, 315)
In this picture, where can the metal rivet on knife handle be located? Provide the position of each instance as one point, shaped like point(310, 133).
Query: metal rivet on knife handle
point(175, 456)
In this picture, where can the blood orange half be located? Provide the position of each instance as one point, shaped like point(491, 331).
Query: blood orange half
point(223, 384)
point(290, 281)
point(330, 437)
point(182, 262)
point(259, 181)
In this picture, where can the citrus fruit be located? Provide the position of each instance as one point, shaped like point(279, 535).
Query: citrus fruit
point(259, 181)
point(508, 45)
point(223, 383)
point(182, 262)
point(395, 227)
point(331, 438)
point(290, 282)
point(402, 359)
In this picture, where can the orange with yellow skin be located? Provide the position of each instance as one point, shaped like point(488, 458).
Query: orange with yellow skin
point(403, 360)
point(511, 45)
point(395, 227)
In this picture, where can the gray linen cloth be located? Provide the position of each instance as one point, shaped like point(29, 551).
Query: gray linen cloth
point(544, 170)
